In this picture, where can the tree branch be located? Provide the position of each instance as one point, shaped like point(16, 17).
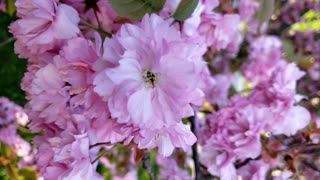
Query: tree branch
point(195, 154)
point(6, 42)
point(146, 164)
point(100, 144)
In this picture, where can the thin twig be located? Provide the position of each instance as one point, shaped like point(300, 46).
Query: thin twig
point(195, 154)
point(6, 42)
point(96, 15)
point(245, 162)
point(310, 165)
point(94, 27)
point(99, 144)
point(98, 157)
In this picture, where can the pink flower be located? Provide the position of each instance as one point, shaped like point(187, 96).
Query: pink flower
point(3, 6)
point(146, 77)
point(235, 134)
point(265, 57)
point(254, 170)
point(279, 94)
point(142, 72)
point(8, 134)
point(67, 156)
point(218, 162)
point(25, 7)
point(44, 24)
point(221, 32)
point(217, 91)
point(12, 115)
point(166, 139)
point(9, 112)
point(314, 71)
point(78, 154)
point(105, 14)
point(247, 8)
point(42, 107)
point(173, 171)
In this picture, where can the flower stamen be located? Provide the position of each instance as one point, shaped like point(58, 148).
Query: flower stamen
point(150, 78)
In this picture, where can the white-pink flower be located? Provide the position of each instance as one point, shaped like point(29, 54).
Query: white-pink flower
point(44, 22)
point(143, 80)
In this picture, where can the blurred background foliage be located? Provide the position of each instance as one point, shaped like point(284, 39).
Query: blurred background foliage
point(11, 67)
point(12, 70)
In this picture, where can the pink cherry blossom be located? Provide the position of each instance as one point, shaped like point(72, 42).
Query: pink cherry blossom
point(217, 91)
point(247, 8)
point(11, 116)
point(265, 57)
point(279, 94)
point(254, 170)
point(166, 139)
point(46, 22)
point(9, 112)
point(2, 6)
point(25, 7)
point(143, 75)
point(173, 171)
point(234, 134)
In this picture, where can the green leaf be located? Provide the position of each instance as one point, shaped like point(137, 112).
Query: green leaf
point(11, 8)
point(12, 172)
point(185, 9)
point(289, 50)
point(299, 26)
point(136, 9)
point(311, 15)
point(5, 150)
point(266, 11)
point(28, 173)
point(315, 25)
point(143, 174)
point(3, 174)
point(11, 67)
point(104, 172)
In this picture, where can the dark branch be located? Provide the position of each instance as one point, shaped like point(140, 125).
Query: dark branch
point(146, 164)
point(195, 155)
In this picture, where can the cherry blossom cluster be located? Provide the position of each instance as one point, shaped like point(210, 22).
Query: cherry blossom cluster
point(2, 6)
point(95, 79)
point(234, 132)
point(12, 116)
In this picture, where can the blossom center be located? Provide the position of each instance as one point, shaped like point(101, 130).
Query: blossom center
point(150, 78)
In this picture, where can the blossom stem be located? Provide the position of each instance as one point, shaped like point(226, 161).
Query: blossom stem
point(99, 156)
point(6, 42)
point(97, 28)
point(99, 144)
point(195, 154)
point(96, 15)
point(146, 164)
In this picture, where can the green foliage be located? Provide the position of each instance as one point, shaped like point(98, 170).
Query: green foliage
point(136, 9)
point(5, 150)
point(311, 15)
point(11, 8)
point(3, 174)
point(143, 174)
point(310, 22)
point(266, 10)
point(11, 67)
point(26, 134)
point(104, 172)
point(185, 9)
point(27, 173)
point(153, 161)
point(289, 50)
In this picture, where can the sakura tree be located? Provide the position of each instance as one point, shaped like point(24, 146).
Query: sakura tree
point(176, 89)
